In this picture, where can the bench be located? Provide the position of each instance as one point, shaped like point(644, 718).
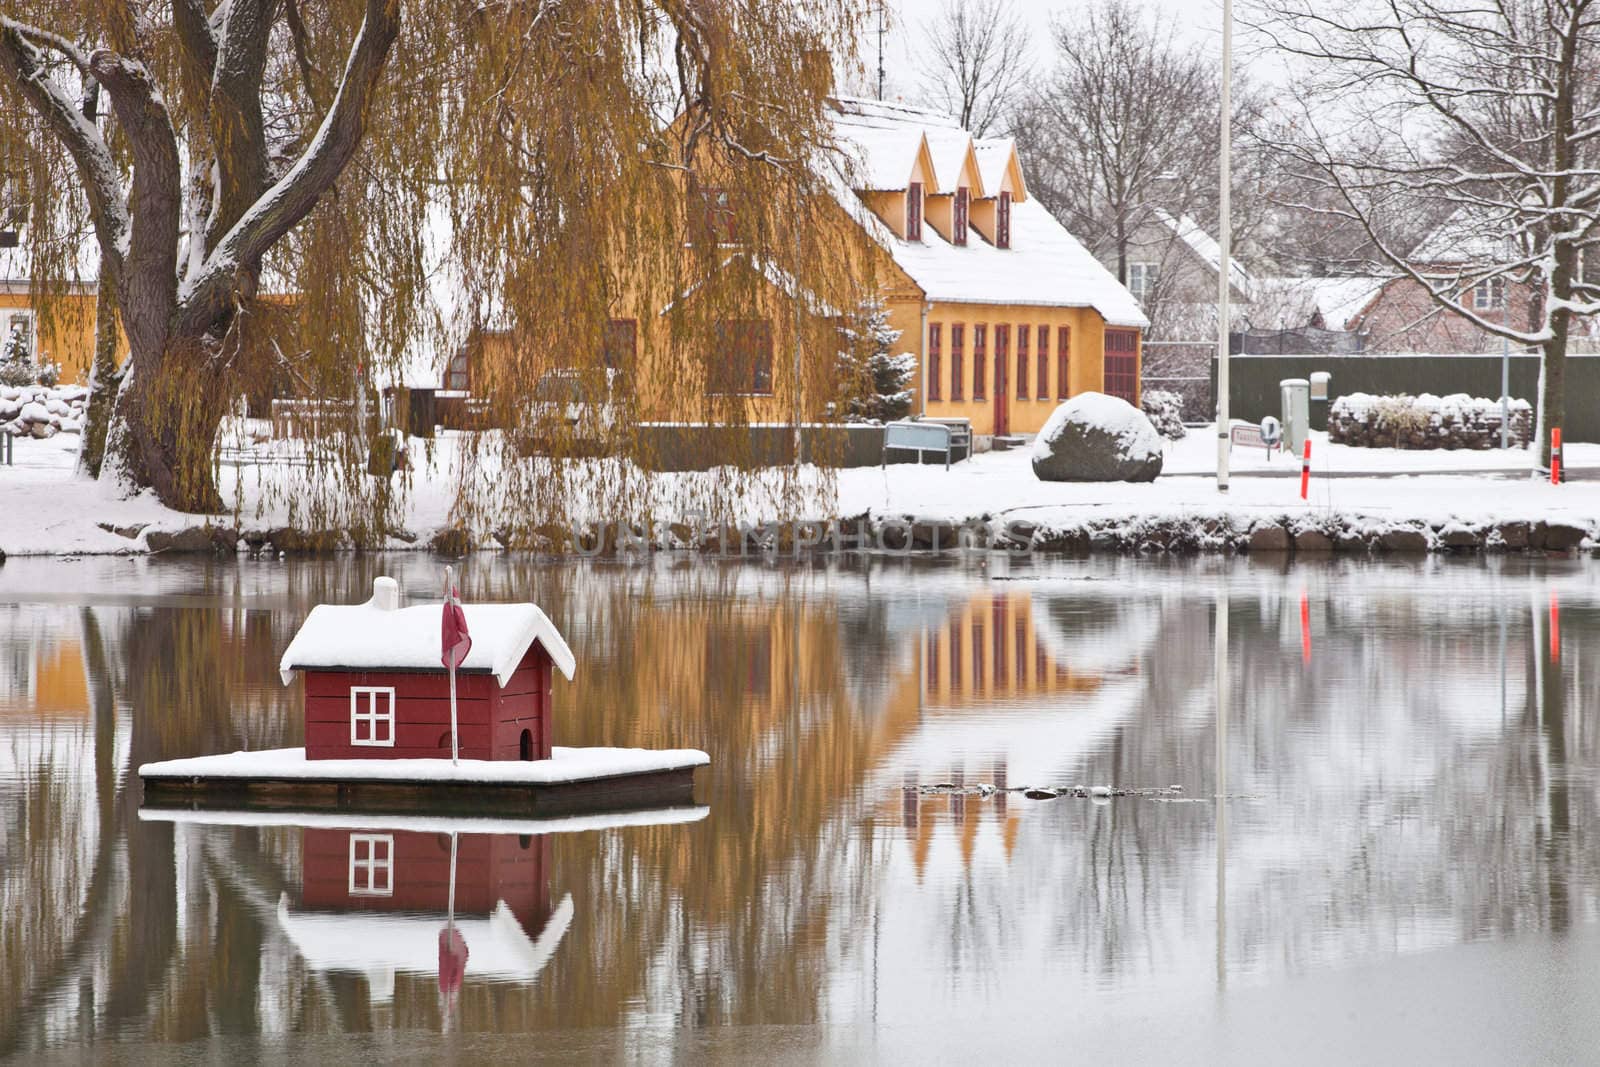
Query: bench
point(960, 435)
point(921, 437)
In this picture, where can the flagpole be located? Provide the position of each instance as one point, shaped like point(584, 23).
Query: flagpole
point(455, 735)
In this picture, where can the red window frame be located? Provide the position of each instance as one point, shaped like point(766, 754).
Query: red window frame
point(1023, 335)
point(742, 361)
point(1002, 222)
point(1044, 363)
point(620, 343)
point(958, 378)
point(1121, 369)
point(715, 213)
point(1063, 352)
point(935, 362)
point(980, 360)
point(914, 211)
point(958, 233)
point(1002, 353)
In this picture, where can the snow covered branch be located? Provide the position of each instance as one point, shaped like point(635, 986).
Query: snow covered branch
point(281, 207)
point(24, 64)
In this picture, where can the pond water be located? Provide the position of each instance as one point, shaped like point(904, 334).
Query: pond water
point(1402, 865)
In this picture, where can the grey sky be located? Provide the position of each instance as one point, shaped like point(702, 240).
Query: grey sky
point(1198, 21)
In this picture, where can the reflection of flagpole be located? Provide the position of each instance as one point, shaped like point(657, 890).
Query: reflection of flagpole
point(455, 734)
point(1222, 783)
point(450, 918)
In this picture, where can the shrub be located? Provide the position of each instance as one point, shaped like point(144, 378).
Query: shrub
point(1164, 409)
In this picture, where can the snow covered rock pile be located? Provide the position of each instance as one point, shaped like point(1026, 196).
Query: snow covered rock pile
point(1164, 409)
point(1097, 438)
point(1424, 422)
point(41, 411)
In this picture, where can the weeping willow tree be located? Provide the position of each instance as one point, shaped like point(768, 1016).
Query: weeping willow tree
point(319, 200)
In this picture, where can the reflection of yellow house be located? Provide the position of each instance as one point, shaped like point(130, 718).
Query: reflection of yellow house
point(56, 684)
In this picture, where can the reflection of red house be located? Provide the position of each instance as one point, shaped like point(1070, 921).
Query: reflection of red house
point(376, 688)
point(375, 900)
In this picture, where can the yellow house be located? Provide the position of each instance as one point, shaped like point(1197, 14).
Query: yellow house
point(1006, 311)
point(62, 334)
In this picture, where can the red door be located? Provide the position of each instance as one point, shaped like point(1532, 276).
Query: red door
point(1002, 410)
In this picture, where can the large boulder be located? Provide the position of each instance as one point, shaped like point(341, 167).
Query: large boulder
point(1097, 438)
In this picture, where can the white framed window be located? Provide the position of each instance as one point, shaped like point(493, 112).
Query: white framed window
point(1489, 294)
point(20, 327)
point(372, 715)
point(1142, 280)
point(372, 865)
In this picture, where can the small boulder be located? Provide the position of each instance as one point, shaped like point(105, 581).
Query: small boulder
point(1514, 535)
point(1097, 438)
point(1312, 541)
point(1269, 537)
point(192, 539)
point(451, 541)
point(1403, 541)
point(1563, 537)
point(1459, 538)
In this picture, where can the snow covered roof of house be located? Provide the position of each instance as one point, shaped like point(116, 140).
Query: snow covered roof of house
point(1291, 303)
point(82, 265)
point(882, 157)
point(949, 150)
point(1207, 248)
point(1472, 235)
point(995, 154)
point(497, 946)
point(381, 635)
point(1045, 265)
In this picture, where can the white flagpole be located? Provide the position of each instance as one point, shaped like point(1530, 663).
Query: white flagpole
point(1224, 241)
point(455, 736)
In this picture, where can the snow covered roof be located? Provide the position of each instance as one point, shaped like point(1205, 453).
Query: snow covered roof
point(950, 150)
point(1290, 303)
point(881, 157)
point(995, 154)
point(497, 947)
point(82, 266)
point(380, 635)
point(1045, 266)
point(1471, 236)
point(1207, 248)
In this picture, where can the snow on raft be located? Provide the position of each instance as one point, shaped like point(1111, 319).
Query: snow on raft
point(1097, 438)
point(565, 766)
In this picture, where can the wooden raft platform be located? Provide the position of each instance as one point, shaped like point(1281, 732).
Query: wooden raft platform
point(571, 780)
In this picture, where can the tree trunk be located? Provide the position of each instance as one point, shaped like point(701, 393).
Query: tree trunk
point(103, 381)
point(167, 421)
point(1552, 387)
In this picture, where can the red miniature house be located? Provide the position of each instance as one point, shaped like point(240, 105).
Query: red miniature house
point(376, 688)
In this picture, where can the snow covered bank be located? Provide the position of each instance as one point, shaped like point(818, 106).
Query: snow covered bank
point(1381, 499)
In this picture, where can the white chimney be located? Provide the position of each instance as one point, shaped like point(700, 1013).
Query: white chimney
point(385, 594)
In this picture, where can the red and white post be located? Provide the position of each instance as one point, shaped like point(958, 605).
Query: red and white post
point(1305, 470)
point(1555, 455)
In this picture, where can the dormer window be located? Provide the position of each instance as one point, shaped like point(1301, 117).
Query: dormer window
point(1002, 222)
point(714, 213)
point(958, 231)
point(914, 211)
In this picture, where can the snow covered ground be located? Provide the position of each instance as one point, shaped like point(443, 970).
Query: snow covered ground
point(44, 509)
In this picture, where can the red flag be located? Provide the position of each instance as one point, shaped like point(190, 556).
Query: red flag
point(452, 959)
point(455, 641)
